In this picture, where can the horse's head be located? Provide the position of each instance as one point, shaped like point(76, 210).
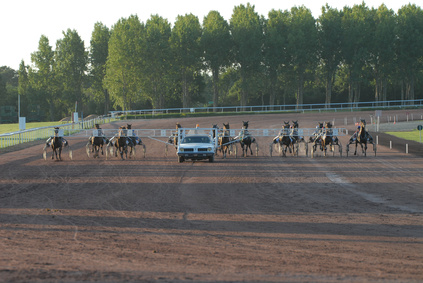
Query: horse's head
point(245, 124)
point(178, 126)
point(226, 126)
point(129, 126)
point(285, 125)
point(122, 131)
point(320, 126)
point(295, 124)
point(328, 125)
point(56, 131)
point(97, 126)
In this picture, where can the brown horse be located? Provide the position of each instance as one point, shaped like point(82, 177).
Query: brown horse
point(173, 139)
point(225, 139)
point(121, 142)
point(245, 139)
point(285, 141)
point(362, 137)
point(56, 145)
point(97, 142)
point(328, 139)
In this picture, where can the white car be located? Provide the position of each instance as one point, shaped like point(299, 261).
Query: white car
point(196, 147)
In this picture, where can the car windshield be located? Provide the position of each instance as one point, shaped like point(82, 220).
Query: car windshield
point(204, 139)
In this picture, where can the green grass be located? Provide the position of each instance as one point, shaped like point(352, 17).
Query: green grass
point(413, 135)
point(9, 128)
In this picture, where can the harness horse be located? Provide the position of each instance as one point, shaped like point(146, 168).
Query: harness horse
point(119, 143)
point(134, 141)
point(326, 137)
point(284, 140)
point(245, 140)
point(96, 142)
point(225, 140)
point(57, 143)
point(362, 137)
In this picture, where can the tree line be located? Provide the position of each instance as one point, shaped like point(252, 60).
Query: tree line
point(349, 55)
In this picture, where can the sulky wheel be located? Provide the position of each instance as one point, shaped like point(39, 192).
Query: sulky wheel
point(143, 149)
point(374, 148)
point(340, 149)
point(347, 149)
point(257, 149)
point(271, 149)
point(132, 152)
point(87, 149)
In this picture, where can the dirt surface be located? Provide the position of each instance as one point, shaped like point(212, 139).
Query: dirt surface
point(253, 219)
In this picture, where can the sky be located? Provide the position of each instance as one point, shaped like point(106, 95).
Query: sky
point(22, 22)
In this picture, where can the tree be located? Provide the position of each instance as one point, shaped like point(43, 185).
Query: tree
point(185, 43)
point(275, 48)
point(409, 46)
point(99, 50)
point(330, 37)
point(302, 46)
point(382, 49)
point(42, 77)
point(216, 44)
point(356, 26)
point(70, 67)
point(124, 63)
point(157, 57)
point(247, 35)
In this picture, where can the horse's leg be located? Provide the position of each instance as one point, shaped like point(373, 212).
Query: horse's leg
point(121, 152)
point(251, 151)
point(60, 153)
point(355, 152)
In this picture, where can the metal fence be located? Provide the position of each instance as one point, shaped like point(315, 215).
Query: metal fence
point(302, 108)
point(165, 133)
point(34, 134)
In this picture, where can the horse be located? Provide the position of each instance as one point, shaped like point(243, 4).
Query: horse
point(121, 142)
point(133, 141)
point(361, 136)
point(328, 138)
point(225, 139)
point(245, 139)
point(56, 142)
point(285, 139)
point(173, 139)
point(56, 145)
point(97, 142)
point(317, 133)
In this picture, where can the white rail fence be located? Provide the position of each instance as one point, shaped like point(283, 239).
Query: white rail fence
point(166, 133)
point(34, 134)
point(302, 108)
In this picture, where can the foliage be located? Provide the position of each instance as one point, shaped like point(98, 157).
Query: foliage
point(99, 50)
point(353, 54)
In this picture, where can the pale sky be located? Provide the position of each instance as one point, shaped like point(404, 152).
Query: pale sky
point(22, 22)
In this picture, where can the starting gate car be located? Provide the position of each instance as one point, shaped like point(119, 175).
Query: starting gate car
point(197, 144)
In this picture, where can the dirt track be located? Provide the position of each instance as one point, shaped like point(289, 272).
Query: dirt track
point(254, 219)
